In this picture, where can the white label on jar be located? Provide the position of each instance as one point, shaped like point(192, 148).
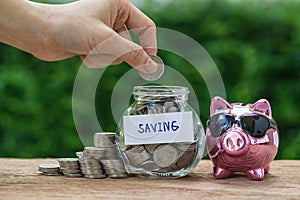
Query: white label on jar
point(158, 128)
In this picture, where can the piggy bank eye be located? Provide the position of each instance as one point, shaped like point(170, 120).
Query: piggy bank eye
point(220, 123)
point(255, 125)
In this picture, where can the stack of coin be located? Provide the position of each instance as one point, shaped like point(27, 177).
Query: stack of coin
point(111, 160)
point(103, 153)
point(79, 154)
point(70, 167)
point(94, 152)
point(104, 139)
point(93, 162)
point(91, 167)
point(50, 169)
point(107, 142)
point(114, 168)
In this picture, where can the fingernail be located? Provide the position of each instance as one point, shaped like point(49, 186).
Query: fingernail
point(150, 67)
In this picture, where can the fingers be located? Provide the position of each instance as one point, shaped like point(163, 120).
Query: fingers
point(99, 61)
point(120, 47)
point(117, 48)
point(144, 27)
point(137, 57)
point(123, 32)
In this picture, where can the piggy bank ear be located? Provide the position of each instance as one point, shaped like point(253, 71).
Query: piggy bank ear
point(262, 106)
point(218, 104)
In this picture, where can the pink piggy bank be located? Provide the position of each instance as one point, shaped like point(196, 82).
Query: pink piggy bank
point(241, 138)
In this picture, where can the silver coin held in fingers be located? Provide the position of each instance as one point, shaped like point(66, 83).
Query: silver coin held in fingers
point(158, 73)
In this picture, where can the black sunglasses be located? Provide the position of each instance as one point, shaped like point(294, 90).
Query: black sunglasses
point(253, 124)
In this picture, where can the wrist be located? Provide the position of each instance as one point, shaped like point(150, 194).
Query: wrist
point(23, 25)
point(39, 28)
point(51, 22)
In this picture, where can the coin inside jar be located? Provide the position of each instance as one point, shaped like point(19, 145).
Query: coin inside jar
point(165, 155)
point(158, 73)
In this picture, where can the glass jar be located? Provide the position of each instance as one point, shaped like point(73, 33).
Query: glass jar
point(160, 135)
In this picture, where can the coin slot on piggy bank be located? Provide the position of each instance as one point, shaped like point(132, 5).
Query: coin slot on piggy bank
point(160, 135)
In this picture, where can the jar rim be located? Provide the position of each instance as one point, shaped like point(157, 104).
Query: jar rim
point(159, 90)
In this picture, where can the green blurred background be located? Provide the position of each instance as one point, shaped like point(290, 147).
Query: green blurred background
point(255, 44)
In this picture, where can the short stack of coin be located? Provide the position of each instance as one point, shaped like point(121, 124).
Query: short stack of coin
point(50, 169)
point(70, 167)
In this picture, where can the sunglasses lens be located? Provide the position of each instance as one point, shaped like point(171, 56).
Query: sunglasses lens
point(255, 126)
point(218, 124)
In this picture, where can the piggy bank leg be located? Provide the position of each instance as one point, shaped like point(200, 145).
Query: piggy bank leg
point(256, 174)
point(267, 169)
point(221, 173)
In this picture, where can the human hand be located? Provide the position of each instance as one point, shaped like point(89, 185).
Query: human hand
point(95, 30)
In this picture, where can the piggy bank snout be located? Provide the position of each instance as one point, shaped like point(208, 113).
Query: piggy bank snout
point(235, 143)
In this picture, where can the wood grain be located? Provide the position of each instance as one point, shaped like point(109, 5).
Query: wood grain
point(20, 179)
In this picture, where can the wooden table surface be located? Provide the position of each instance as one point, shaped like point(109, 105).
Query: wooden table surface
point(20, 179)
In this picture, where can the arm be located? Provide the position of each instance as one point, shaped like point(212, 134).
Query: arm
point(56, 32)
point(21, 25)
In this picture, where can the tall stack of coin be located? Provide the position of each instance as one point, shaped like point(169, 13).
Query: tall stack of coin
point(114, 168)
point(90, 166)
point(111, 161)
point(104, 139)
point(70, 167)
